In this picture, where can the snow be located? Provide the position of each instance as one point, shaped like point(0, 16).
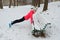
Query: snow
point(22, 31)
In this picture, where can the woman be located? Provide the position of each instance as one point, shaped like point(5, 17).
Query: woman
point(26, 17)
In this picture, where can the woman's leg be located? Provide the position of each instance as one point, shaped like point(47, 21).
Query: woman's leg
point(18, 20)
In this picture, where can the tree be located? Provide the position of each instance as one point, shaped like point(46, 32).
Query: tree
point(24, 2)
point(52, 0)
point(38, 3)
point(33, 2)
point(1, 4)
point(45, 5)
point(17, 2)
point(10, 3)
point(14, 3)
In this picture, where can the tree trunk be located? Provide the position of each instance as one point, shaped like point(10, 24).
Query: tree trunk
point(51, 0)
point(36, 3)
point(45, 5)
point(24, 2)
point(14, 3)
point(10, 3)
point(33, 2)
point(39, 3)
point(17, 2)
point(1, 4)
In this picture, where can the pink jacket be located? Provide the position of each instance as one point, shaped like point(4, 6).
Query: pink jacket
point(30, 16)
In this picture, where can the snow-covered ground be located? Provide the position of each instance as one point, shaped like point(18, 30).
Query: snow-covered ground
point(22, 31)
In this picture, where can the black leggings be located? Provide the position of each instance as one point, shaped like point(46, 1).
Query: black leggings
point(18, 20)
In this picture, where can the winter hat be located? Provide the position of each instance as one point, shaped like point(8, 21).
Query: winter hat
point(34, 8)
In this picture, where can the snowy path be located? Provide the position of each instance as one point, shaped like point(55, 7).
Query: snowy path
point(22, 31)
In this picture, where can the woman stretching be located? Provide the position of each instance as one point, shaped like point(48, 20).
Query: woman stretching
point(26, 17)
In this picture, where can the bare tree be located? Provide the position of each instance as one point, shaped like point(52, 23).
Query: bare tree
point(10, 3)
point(51, 0)
point(36, 3)
point(45, 5)
point(33, 2)
point(1, 4)
point(39, 3)
point(17, 2)
point(14, 3)
point(24, 2)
